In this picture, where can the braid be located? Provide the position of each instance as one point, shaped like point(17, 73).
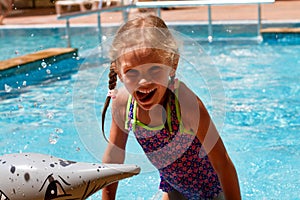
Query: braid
point(112, 84)
point(172, 80)
point(170, 95)
point(112, 77)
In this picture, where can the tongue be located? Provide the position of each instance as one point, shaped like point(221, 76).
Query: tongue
point(143, 96)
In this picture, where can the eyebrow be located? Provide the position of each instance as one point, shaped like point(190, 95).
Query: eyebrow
point(63, 180)
point(50, 176)
point(45, 181)
point(126, 68)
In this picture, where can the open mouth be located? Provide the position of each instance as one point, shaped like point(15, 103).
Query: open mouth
point(145, 94)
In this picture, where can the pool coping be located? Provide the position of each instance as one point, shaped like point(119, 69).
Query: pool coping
point(34, 60)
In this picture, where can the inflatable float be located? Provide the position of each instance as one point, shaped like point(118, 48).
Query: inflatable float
point(32, 176)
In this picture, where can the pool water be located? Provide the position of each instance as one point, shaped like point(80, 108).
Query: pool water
point(56, 110)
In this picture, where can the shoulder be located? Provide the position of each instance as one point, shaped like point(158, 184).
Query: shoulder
point(188, 100)
point(119, 105)
point(192, 109)
point(121, 98)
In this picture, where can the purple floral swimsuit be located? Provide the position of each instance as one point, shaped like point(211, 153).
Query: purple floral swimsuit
point(177, 154)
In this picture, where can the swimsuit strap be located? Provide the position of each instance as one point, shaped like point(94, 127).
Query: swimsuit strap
point(173, 115)
point(130, 114)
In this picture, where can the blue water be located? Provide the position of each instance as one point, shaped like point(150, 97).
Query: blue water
point(251, 89)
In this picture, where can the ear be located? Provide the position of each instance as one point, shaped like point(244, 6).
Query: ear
point(120, 77)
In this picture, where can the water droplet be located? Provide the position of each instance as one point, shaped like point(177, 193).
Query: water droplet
point(50, 115)
point(43, 64)
point(53, 138)
point(7, 88)
point(48, 71)
point(24, 83)
point(59, 130)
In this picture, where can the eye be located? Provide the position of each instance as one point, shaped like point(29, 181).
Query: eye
point(132, 73)
point(155, 70)
point(54, 190)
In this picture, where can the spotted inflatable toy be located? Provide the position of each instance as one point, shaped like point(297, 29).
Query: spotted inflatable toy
point(31, 176)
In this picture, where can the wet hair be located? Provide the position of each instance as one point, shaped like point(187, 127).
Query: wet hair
point(146, 32)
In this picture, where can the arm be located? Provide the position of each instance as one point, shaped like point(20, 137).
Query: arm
point(115, 151)
point(212, 143)
point(196, 117)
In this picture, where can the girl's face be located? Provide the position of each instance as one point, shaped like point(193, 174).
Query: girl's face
point(145, 74)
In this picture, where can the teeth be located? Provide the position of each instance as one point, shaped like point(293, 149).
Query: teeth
point(146, 91)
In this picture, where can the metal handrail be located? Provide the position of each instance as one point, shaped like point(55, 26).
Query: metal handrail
point(158, 5)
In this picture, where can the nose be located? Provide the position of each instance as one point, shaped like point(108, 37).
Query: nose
point(143, 81)
point(145, 78)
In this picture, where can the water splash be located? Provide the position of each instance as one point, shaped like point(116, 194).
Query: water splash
point(7, 88)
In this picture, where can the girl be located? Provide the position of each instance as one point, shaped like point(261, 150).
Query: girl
point(168, 120)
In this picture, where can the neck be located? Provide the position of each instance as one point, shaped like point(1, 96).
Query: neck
point(156, 116)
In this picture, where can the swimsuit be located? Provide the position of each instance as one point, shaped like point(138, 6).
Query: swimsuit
point(177, 154)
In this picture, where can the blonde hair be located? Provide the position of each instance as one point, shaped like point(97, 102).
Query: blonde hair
point(143, 32)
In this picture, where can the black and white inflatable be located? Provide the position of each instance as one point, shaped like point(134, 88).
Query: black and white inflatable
point(32, 176)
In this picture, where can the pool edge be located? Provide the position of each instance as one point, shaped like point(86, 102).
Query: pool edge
point(33, 60)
